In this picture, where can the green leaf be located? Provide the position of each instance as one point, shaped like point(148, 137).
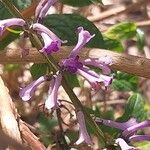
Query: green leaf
point(77, 3)
point(20, 4)
point(80, 3)
point(121, 31)
point(140, 35)
point(65, 26)
point(134, 108)
point(125, 82)
point(113, 44)
point(72, 80)
point(38, 70)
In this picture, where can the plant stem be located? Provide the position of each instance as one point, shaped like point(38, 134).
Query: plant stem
point(54, 67)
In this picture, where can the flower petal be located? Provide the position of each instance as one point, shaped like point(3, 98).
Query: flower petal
point(10, 22)
point(52, 101)
point(83, 135)
point(27, 92)
point(123, 145)
point(83, 38)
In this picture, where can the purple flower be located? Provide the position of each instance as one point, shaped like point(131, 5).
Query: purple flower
point(101, 63)
point(10, 22)
point(83, 38)
point(43, 7)
point(136, 127)
point(27, 92)
point(118, 125)
point(123, 145)
point(52, 42)
point(129, 128)
point(74, 65)
point(83, 134)
point(52, 101)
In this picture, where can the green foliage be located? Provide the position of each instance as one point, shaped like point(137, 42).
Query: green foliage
point(20, 4)
point(80, 3)
point(134, 108)
point(72, 80)
point(11, 67)
point(38, 70)
point(113, 44)
point(140, 35)
point(121, 31)
point(125, 82)
point(46, 126)
point(65, 26)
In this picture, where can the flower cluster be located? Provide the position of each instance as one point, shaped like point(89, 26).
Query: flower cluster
point(72, 64)
point(129, 130)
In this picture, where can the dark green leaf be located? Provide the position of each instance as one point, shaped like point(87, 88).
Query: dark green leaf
point(78, 3)
point(140, 38)
point(20, 4)
point(72, 80)
point(120, 31)
point(65, 26)
point(38, 70)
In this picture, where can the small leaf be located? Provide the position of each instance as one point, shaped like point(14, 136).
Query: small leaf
point(38, 70)
point(65, 26)
point(121, 31)
point(140, 35)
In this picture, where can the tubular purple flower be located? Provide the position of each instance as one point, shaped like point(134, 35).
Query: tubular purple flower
point(136, 127)
point(43, 8)
point(27, 92)
point(83, 134)
point(118, 125)
point(10, 22)
point(137, 138)
point(51, 41)
point(49, 44)
point(102, 63)
point(52, 101)
point(123, 145)
point(83, 38)
point(93, 78)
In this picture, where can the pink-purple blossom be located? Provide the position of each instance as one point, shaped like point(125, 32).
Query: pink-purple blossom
point(83, 133)
point(73, 64)
point(52, 42)
point(52, 100)
point(43, 7)
point(10, 22)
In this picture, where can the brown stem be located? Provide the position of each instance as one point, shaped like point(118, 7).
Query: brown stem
point(135, 65)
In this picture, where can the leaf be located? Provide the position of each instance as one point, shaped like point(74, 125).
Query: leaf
point(65, 26)
point(20, 4)
point(72, 80)
point(38, 70)
point(113, 44)
point(121, 31)
point(80, 3)
point(125, 82)
point(77, 3)
point(134, 108)
point(140, 35)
